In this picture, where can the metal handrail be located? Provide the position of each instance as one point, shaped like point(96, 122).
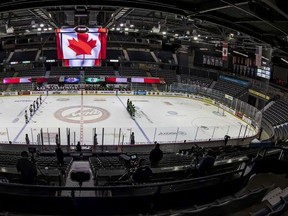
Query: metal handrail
point(148, 185)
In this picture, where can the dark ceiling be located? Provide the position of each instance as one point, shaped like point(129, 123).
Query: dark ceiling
point(243, 24)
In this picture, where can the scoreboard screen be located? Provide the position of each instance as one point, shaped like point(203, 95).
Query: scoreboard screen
point(81, 46)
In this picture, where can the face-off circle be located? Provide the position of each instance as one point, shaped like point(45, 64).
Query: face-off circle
point(172, 112)
point(72, 114)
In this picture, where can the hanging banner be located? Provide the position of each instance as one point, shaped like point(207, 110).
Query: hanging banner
point(258, 56)
point(225, 51)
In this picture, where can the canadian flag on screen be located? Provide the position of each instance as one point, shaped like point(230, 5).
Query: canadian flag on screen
point(225, 51)
point(83, 49)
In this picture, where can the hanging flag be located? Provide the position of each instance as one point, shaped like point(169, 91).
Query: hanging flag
point(225, 51)
point(258, 56)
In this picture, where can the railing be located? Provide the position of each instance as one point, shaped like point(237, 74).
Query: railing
point(117, 199)
point(158, 186)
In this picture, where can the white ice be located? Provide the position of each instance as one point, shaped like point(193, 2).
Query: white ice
point(161, 119)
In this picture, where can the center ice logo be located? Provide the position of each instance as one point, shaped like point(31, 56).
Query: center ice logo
point(90, 114)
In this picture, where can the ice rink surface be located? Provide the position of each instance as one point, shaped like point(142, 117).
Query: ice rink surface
point(161, 119)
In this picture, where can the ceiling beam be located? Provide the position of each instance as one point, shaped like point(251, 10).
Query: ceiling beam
point(223, 21)
point(254, 20)
point(175, 7)
point(217, 5)
point(256, 16)
point(44, 16)
point(272, 4)
point(117, 15)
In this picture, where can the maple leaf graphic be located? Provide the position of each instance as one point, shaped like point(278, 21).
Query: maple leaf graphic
point(82, 46)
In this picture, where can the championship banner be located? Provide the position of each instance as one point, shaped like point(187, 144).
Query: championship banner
point(258, 56)
point(225, 51)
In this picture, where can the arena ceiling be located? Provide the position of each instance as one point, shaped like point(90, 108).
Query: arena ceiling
point(242, 23)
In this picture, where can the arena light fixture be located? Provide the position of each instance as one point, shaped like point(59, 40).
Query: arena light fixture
point(10, 30)
point(81, 11)
point(114, 60)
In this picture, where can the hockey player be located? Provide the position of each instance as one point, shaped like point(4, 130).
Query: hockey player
point(31, 110)
point(26, 117)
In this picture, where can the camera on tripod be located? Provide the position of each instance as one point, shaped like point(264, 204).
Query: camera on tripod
point(129, 161)
point(80, 173)
point(80, 176)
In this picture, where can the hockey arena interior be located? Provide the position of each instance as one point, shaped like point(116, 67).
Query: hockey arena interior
point(144, 107)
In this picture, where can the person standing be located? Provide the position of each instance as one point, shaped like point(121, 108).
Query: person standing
point(78, 147)
point(128, 102)
point(26, 168)
point(34, 106)
point(59, 155)
point(95, 142)
point(37, 103)
point(226, 138)
point(31, 110)
point(27, 139)
point(26, 117)
point(156, 155)
point(57, 139)
point(132, 138)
